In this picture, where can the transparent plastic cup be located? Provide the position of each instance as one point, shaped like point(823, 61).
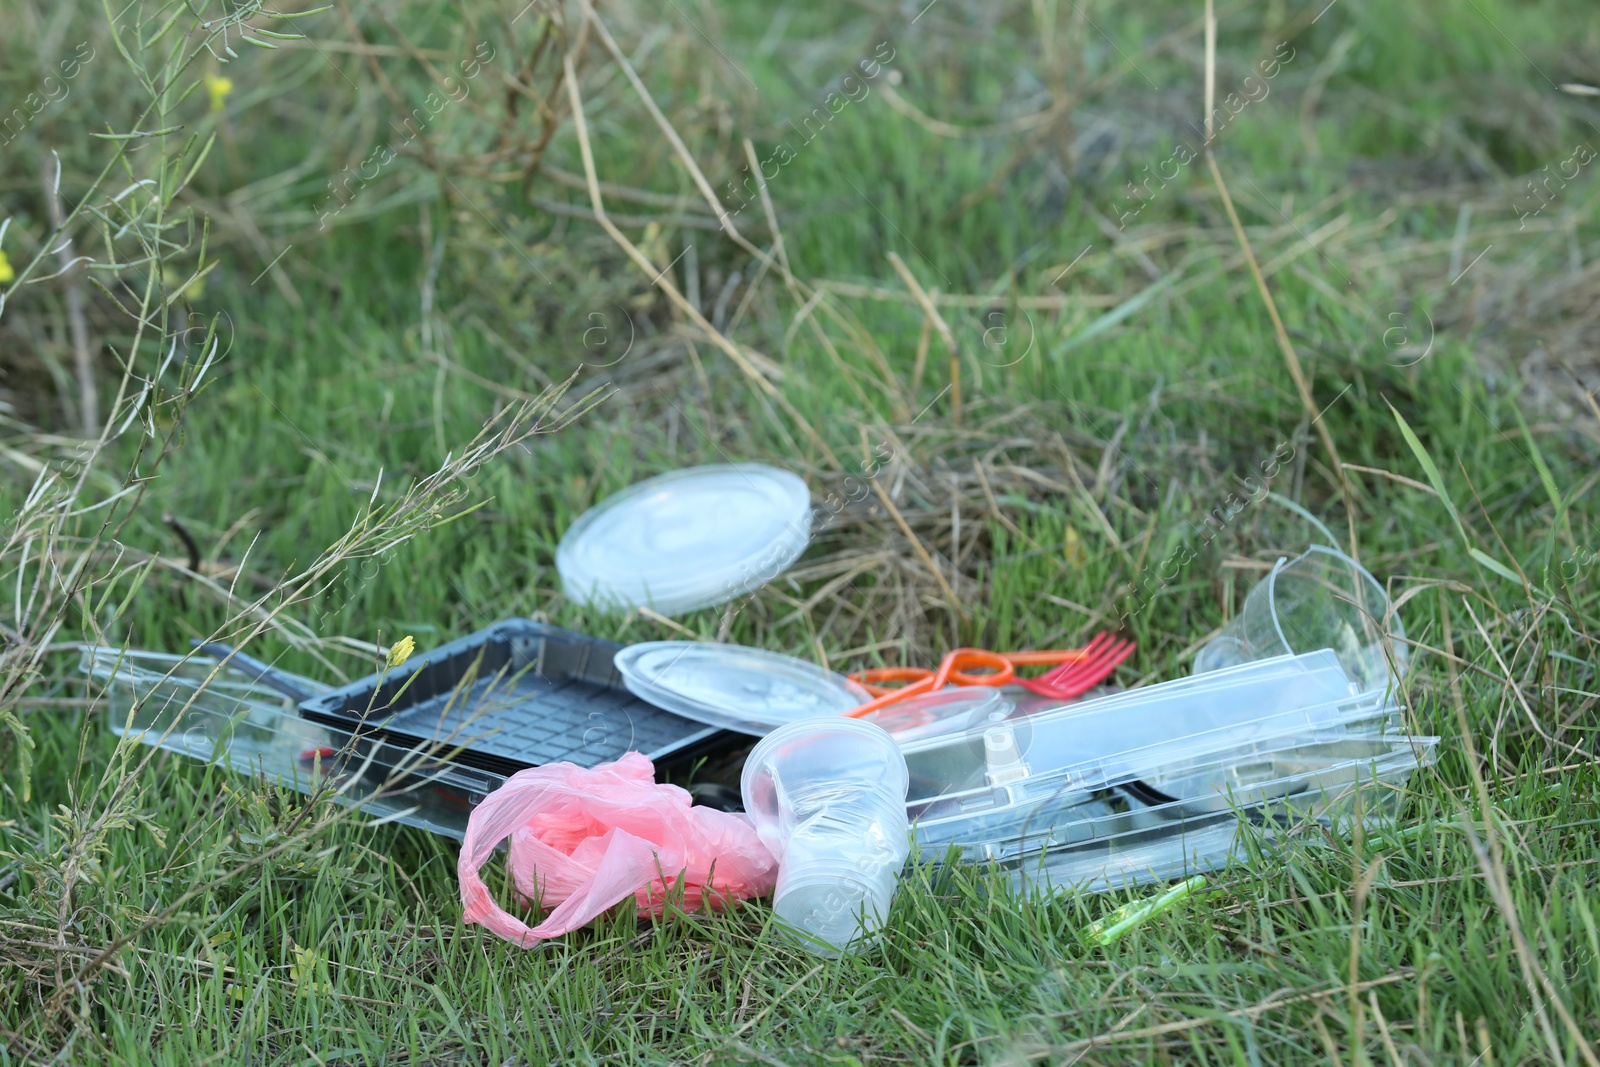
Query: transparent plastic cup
point(1320, 599)
point(827, 797)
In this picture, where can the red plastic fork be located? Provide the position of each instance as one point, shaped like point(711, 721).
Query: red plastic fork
point(1102, 655)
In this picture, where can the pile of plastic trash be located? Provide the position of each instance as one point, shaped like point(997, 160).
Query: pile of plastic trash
point(554, 740)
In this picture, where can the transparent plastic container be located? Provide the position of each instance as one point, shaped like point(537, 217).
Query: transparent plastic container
point(1325, 784)
point(1255, 774)
point(1320, 599)
point(1044, 775)
point(1320, 672)
point(1032, 802)
point(827, 797)
point(1171, 719)
point(246, 726)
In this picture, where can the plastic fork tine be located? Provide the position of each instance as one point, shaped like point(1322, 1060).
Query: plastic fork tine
point(1102, 655)
point(1113, 656)
point(1088, 675)
point(1091, 654)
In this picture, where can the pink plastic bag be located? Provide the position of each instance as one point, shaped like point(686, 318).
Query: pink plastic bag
point(584, 840)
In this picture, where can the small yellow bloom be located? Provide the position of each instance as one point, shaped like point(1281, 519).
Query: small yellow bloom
point(219, 88)
point(6, 273)
point(401, 651)
point(1072, 547)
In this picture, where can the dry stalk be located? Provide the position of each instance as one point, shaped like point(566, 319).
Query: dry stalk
point(717, 337)
point(77, 322)
point(1492, 861)
point(1290, 358)
point(930, 310)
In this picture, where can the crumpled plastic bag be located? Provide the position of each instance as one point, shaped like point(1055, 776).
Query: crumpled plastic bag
point(584, 840)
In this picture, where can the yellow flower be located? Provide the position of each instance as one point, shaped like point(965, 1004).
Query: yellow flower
point(401, 651)
point(1072, 547)
point(6, 273)
point(219, 88)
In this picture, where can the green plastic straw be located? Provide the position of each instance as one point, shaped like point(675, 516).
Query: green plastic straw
point(1109, 928)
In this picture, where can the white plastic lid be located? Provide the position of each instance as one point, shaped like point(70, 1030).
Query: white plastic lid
point(738, 688)
point(687, 539)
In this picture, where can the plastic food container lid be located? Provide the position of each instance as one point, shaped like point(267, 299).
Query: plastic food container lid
point(738, 688)
point(687, 539)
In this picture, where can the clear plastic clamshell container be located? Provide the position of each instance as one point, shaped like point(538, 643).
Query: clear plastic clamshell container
point(1023, 774)
point(1318, 781)
point(244, 725)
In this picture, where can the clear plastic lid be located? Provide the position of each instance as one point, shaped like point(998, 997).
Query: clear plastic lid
point(738, 688)
point(687, 539)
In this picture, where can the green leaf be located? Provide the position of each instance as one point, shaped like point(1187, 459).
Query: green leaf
point(1122, 311)
point(1560, 523)
point(201, 158)
point(1432, 471)
point(1495, 565)
point(1545, 478)
point(23, 740)
point(1435, 480)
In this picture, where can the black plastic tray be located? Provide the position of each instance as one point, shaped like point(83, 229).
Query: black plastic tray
point(517, 694)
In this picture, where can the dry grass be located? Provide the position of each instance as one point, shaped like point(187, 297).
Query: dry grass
point(976, 496)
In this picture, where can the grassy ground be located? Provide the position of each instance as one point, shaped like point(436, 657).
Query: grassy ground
point(1116, 384)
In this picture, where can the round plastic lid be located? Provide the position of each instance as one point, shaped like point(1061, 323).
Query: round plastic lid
point(687, 539)
point(745, 689)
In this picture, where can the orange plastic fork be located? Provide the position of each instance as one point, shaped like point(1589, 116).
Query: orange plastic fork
point(1101, 656)
point(1076, 671)
point(957, 667)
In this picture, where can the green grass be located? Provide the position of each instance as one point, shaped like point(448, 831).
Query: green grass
point(346, 943)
